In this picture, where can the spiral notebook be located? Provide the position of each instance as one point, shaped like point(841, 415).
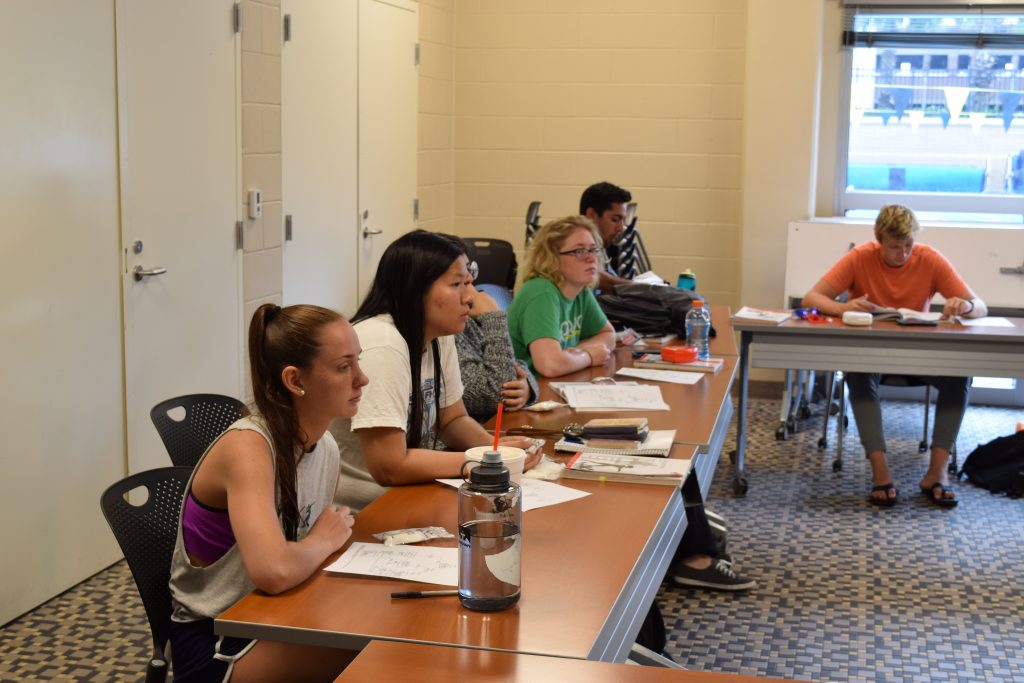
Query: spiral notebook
point(657, 444)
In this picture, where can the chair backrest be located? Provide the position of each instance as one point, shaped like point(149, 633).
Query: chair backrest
point(501, 295)
point(146, 534)
point(632, 258)
point(495, 258)
point(532, 221)
point(206, 416)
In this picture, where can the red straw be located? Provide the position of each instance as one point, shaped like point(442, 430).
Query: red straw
point(497, 426)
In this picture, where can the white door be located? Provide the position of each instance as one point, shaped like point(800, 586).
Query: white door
point(387, 128)
point(179, 195)
point(60, 317)
point(318, 133)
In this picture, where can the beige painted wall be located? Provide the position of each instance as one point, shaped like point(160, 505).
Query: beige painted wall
point(436, 82)
point(550, 96)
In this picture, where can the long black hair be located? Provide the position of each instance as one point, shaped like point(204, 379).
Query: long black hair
point(408, 267)
point(279, 337)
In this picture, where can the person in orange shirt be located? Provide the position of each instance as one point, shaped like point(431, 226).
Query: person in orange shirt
point(895, 272)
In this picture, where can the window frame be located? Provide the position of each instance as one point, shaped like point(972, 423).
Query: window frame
point(844, 199)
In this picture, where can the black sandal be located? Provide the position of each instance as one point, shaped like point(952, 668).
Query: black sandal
point(942, 501)
point(886, 502)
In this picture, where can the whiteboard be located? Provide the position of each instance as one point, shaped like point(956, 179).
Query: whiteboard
point(977, 253)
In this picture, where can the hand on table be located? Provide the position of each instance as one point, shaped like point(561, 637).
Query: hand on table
point(334, 526)
point(523, 442)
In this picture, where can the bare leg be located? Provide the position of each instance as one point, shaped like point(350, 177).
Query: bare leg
point(880, 475)
point(936, 474)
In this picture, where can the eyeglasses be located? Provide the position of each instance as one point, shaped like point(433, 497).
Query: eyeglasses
point(474, 270)
point(582, 253)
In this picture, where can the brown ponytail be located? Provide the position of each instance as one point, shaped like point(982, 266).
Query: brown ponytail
point(279, 337)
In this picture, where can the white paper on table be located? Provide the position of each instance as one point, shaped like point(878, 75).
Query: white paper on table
point(424, 564)
point(537, 493)
point(672, 376)
point(615, 397)
point(986, 322)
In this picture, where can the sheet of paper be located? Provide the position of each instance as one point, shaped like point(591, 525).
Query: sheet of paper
point(615, 397)
point(536, 492)
point(649, 277)
point(672, 376)
point(986, 322)
point(424, 564)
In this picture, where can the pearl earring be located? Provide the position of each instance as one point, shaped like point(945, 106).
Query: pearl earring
point(302, 392)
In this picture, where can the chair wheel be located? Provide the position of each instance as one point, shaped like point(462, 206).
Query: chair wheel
point(739, 486)
point(822, 443)
point(791, 424)
point(837, 465)
point(846, 422)
point(780, 433)
point(951, 468)
point(922, 447)
point(732, 457)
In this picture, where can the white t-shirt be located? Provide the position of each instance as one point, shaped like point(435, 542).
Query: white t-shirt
point(387, 399)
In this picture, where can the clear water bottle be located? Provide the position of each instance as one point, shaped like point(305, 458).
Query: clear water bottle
point(698, 328)
point(490, 522)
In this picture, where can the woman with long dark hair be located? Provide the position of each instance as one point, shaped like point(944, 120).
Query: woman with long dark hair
point(412, 409)
point(258, 511)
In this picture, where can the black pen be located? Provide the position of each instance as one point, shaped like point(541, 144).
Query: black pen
point(424, 594)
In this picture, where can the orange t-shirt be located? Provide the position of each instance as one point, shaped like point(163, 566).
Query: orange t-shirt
point(862, 271)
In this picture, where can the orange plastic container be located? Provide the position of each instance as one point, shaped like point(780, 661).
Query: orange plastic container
point(679, 354)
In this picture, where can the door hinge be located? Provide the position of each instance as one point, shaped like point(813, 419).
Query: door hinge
point(287, 27)
point(417, 55)
point(416, 209)
point(288, 228)
point(236, 15)
point(239, 235)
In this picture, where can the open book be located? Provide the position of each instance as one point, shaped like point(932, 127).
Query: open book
point(657, 444)
point(629, 468)
point(907, 316)
point(760, 316)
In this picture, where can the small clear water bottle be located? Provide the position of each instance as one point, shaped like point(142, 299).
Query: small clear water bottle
point(698, 329)
point(490, 549)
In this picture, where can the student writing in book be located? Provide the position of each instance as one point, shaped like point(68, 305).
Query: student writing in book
point(554, 321)
point(412, 409)
point(557, 326)
point(894, 272)
point(258, 511)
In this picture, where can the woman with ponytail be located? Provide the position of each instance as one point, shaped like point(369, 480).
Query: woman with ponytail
point(413, 409)
point(258, 510)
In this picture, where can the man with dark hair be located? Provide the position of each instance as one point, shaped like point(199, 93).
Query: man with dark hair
point(605, 205)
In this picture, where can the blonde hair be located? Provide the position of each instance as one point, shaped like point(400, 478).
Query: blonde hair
point(542, 255)
point(896, 221)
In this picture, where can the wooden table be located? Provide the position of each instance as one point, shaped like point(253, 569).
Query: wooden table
point(948, 350)
point(382, 661)
point(591, 568)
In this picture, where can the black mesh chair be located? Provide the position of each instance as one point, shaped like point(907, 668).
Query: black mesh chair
point(146, 534)
point(631, 258)
point(496, 260)
point(206, 416)
point(532, 221)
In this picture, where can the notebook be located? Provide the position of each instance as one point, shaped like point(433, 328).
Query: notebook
point(653, 360)
point(657, 444)
point(627, 468)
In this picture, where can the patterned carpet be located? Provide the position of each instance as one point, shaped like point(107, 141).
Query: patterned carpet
point(850, 592)
point(846, 591)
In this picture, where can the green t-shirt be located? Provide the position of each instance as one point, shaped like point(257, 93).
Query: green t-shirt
point(541, 311)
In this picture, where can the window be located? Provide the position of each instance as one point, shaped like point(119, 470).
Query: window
point(936, 110)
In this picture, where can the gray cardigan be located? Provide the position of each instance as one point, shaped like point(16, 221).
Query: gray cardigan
point(486, 362)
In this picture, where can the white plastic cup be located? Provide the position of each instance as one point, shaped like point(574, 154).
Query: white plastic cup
point(514, 459)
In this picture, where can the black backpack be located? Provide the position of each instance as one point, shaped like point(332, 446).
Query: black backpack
point(649, 309)
point(998, 465)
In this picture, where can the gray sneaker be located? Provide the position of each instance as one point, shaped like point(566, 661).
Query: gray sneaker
point(719, 575)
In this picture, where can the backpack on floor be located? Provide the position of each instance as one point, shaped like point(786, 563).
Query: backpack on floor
point(998, 465)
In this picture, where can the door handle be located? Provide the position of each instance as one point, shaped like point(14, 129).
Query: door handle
point(139, 272)
point(367, 232)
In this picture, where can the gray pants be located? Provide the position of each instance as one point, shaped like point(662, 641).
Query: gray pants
point(867, 411)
